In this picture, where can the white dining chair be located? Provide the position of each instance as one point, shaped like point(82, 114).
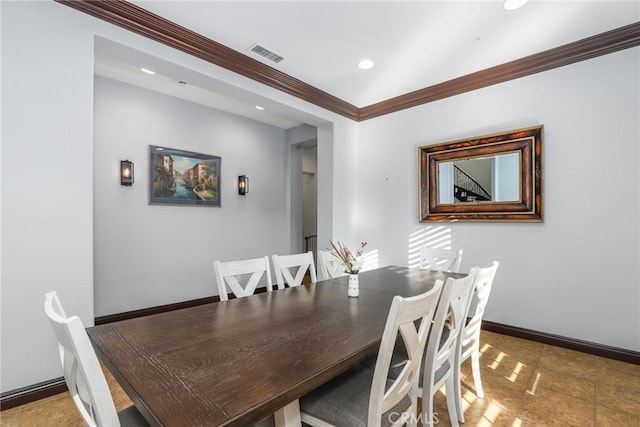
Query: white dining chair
point(250, 271)
point(438, 259)
point(468, 345)
point(82, 372)
point(298, 263)
point(367, 397)
point(438, 366)
point(440, 355)
point(329, 267)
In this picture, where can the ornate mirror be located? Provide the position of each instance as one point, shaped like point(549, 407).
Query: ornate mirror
point(487, 178)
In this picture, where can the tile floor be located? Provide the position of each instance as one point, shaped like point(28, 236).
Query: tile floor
point(526, 384)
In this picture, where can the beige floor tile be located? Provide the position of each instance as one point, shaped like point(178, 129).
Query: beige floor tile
point(617, 396)
point(570, 385)
point(501, 400)
point(489, 336)
point(521, 346)
point(10, 417)
point(485, 347)
point(569, 362)
point(515, 350)
point(610, 364)
point(548, 408)
point(514, 366)
point(503, 393)
point(486, 412)
point(606, 373)
point(489, 339)
point(55, 411)
point(606, 417)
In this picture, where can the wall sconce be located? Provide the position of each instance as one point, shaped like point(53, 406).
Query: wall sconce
point(243, 185)
point(126, 172)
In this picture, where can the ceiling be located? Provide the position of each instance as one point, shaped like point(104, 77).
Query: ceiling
point(413, 44)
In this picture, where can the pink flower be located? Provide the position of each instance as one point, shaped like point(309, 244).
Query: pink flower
point(351, 262)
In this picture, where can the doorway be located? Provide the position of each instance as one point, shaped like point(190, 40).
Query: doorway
point(309, 199)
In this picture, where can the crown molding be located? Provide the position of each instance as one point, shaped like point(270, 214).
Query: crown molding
point(581, 50)
point(143, 22)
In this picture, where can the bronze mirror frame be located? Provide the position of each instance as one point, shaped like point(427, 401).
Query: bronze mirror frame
point(527, 142)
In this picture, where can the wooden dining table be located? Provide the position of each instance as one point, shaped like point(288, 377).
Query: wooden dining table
point(236, 362)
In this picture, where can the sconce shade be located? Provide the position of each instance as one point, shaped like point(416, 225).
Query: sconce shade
point(243, 185)
point(126, 172)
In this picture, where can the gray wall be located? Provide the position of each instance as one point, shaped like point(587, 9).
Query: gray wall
point(576, 274)
point(147, 255)
point(47, 213)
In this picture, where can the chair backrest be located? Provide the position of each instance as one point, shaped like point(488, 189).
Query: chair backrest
point(82, 372)
point(440, 259)
point(448, 321)
point(300, 262)
point(479, 297)
point(231, 273)
point(329, 267)
point(403, 314)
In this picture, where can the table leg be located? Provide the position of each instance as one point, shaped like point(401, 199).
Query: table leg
point(289, 416)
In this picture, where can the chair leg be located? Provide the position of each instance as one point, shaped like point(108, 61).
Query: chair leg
point(457, 390)
point(427, 407)
point(475, 367)
point(451, 402)
point(412, 420)
point(289, 415)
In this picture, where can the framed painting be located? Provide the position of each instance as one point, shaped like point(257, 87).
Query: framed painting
point(184, 178)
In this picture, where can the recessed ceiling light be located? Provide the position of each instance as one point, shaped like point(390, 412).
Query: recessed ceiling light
point(365, 64)
point(513, 4)
point(146, 70)
point(258, 107)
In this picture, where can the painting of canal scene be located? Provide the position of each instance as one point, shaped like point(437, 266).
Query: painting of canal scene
point(180, 177)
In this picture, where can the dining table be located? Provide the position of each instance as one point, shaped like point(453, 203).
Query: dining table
point(237, 362)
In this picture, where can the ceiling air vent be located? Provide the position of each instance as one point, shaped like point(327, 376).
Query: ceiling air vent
point(266, 53)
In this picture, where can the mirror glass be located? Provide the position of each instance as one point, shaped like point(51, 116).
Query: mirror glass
point(494, 177)
point(480, 179)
